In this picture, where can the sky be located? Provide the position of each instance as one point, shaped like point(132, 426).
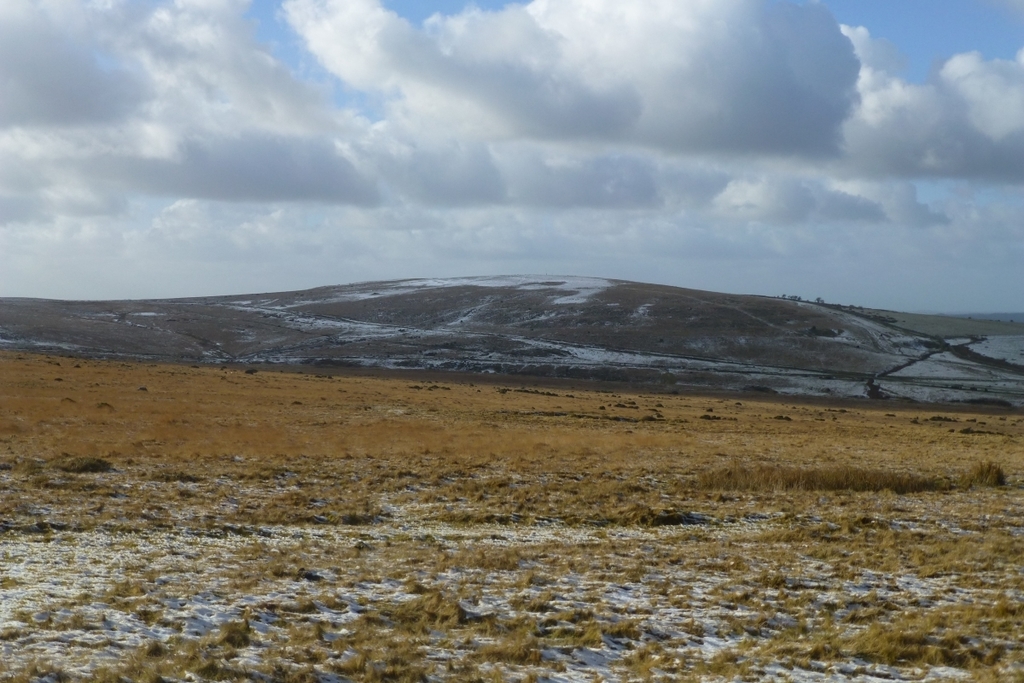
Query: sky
point(867, 152)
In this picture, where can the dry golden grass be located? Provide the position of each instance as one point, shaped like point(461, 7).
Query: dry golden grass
point(426, 486)
point(740, 477)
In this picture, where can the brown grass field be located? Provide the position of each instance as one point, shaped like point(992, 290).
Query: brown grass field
point(163, 522)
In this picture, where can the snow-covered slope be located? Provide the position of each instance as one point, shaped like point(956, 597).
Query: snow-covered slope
point(585, 328)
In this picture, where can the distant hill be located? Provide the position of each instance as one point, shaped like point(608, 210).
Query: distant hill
point(574, 327)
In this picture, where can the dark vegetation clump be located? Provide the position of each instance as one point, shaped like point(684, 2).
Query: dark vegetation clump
point(83, 465)
point(177, 476)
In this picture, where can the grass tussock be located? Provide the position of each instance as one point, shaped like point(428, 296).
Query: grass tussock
point(237, 634)
point(984, 474)
point(740, 477)
point(177, 476)
point(83, 465)
point(524, 649)
point(916, 646)
point(430, 611)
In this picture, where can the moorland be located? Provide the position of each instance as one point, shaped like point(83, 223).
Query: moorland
point(170, 522)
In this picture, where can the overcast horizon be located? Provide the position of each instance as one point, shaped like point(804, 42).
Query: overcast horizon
point(861, 151)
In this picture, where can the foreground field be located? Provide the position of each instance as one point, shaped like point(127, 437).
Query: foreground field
point(177, 523)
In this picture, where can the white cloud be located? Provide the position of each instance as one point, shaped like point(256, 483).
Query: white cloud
point(611, 181)
point(51, 76)
point(877, 54)
point(898, 200)
point(735, 76)
point(251, 167)
point(966, 122)
point(993, 92)
point(784, 200)
point(180, 101)
point(440, 172)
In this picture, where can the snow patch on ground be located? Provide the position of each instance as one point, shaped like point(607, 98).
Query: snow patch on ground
point(884, 338)
point(1008, 348)
point(576, 289)
point(946, 366)
point(62, 605)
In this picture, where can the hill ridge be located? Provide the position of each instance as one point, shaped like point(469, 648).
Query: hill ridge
point(554, 326)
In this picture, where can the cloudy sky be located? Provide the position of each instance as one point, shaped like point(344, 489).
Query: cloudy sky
point(865, 151)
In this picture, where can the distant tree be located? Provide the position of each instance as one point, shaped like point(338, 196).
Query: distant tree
point(819, 300)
